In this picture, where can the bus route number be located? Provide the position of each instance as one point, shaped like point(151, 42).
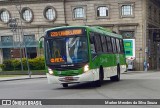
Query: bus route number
point(66, 32)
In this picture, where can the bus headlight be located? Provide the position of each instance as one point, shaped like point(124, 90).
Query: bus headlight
point(50, 71)
point(86, 68)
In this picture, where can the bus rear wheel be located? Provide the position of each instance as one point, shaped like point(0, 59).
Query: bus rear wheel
point(65, 85)
point(117, 77)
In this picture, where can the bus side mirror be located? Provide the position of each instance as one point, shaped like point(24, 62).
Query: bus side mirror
point(40, 44)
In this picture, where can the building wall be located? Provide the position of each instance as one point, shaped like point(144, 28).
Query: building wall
point(114, 13)
point(64, 9)
point(39, 23)
point(153, 25)
point(37, 9)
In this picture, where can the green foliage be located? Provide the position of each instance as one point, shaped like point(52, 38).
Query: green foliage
point(34, 64)
point(37, 63)
point(7, 65)
point(24, 62)
point(2, 66)
point(16, 64)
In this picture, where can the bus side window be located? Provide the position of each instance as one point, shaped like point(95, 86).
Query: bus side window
point(121, 46)
point(98, 43)
point(114, 45)
point(91, 38)
point(118, 45)
point(104, 44)
point(109, 44)
point(92, 45)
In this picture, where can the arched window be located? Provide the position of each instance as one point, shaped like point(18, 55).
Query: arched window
point(50, 13)
point(27, 14)
point(4, 15)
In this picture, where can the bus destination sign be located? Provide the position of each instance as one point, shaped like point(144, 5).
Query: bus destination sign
point(66, 32)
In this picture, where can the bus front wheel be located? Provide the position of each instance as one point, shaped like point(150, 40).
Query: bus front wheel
point(117, 77)
point(98, 83)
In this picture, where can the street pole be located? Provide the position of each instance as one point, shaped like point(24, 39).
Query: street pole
point(14, 26)
point(139, 61)
point(145, 44)
point(157, 56)
point(140, 58)
point(19, 10)
point(29, 72)
point(20, 46)
point(21, 57)
point(146, 68)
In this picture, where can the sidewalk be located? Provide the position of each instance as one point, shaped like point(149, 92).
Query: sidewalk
point(148, 71)
point(20, 77)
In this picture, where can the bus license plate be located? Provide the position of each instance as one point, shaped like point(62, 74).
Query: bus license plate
point(69, 78)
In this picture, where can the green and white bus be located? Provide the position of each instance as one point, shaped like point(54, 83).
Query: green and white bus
point(75, 54)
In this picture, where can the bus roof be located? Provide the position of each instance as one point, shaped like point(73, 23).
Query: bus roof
point(97, 29)
point(104, 31)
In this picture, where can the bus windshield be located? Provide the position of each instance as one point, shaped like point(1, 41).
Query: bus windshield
point(66, 50)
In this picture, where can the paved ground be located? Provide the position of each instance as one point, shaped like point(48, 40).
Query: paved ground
point(23, 77)
point(133, 85)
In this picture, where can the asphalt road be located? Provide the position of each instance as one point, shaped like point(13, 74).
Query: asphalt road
point(143, 85)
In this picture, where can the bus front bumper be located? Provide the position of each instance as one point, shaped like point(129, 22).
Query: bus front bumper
point(85, 77)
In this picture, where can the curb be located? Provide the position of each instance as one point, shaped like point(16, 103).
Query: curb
point(131, 72)
point(22, 78)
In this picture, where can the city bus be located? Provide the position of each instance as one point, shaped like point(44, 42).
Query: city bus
point(77, 54)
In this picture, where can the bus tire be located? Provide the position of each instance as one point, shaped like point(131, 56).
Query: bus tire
point(117, 77)
point(65, 85)
point(98, 83)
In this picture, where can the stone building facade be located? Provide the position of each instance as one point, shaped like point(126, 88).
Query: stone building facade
point(23, 22)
